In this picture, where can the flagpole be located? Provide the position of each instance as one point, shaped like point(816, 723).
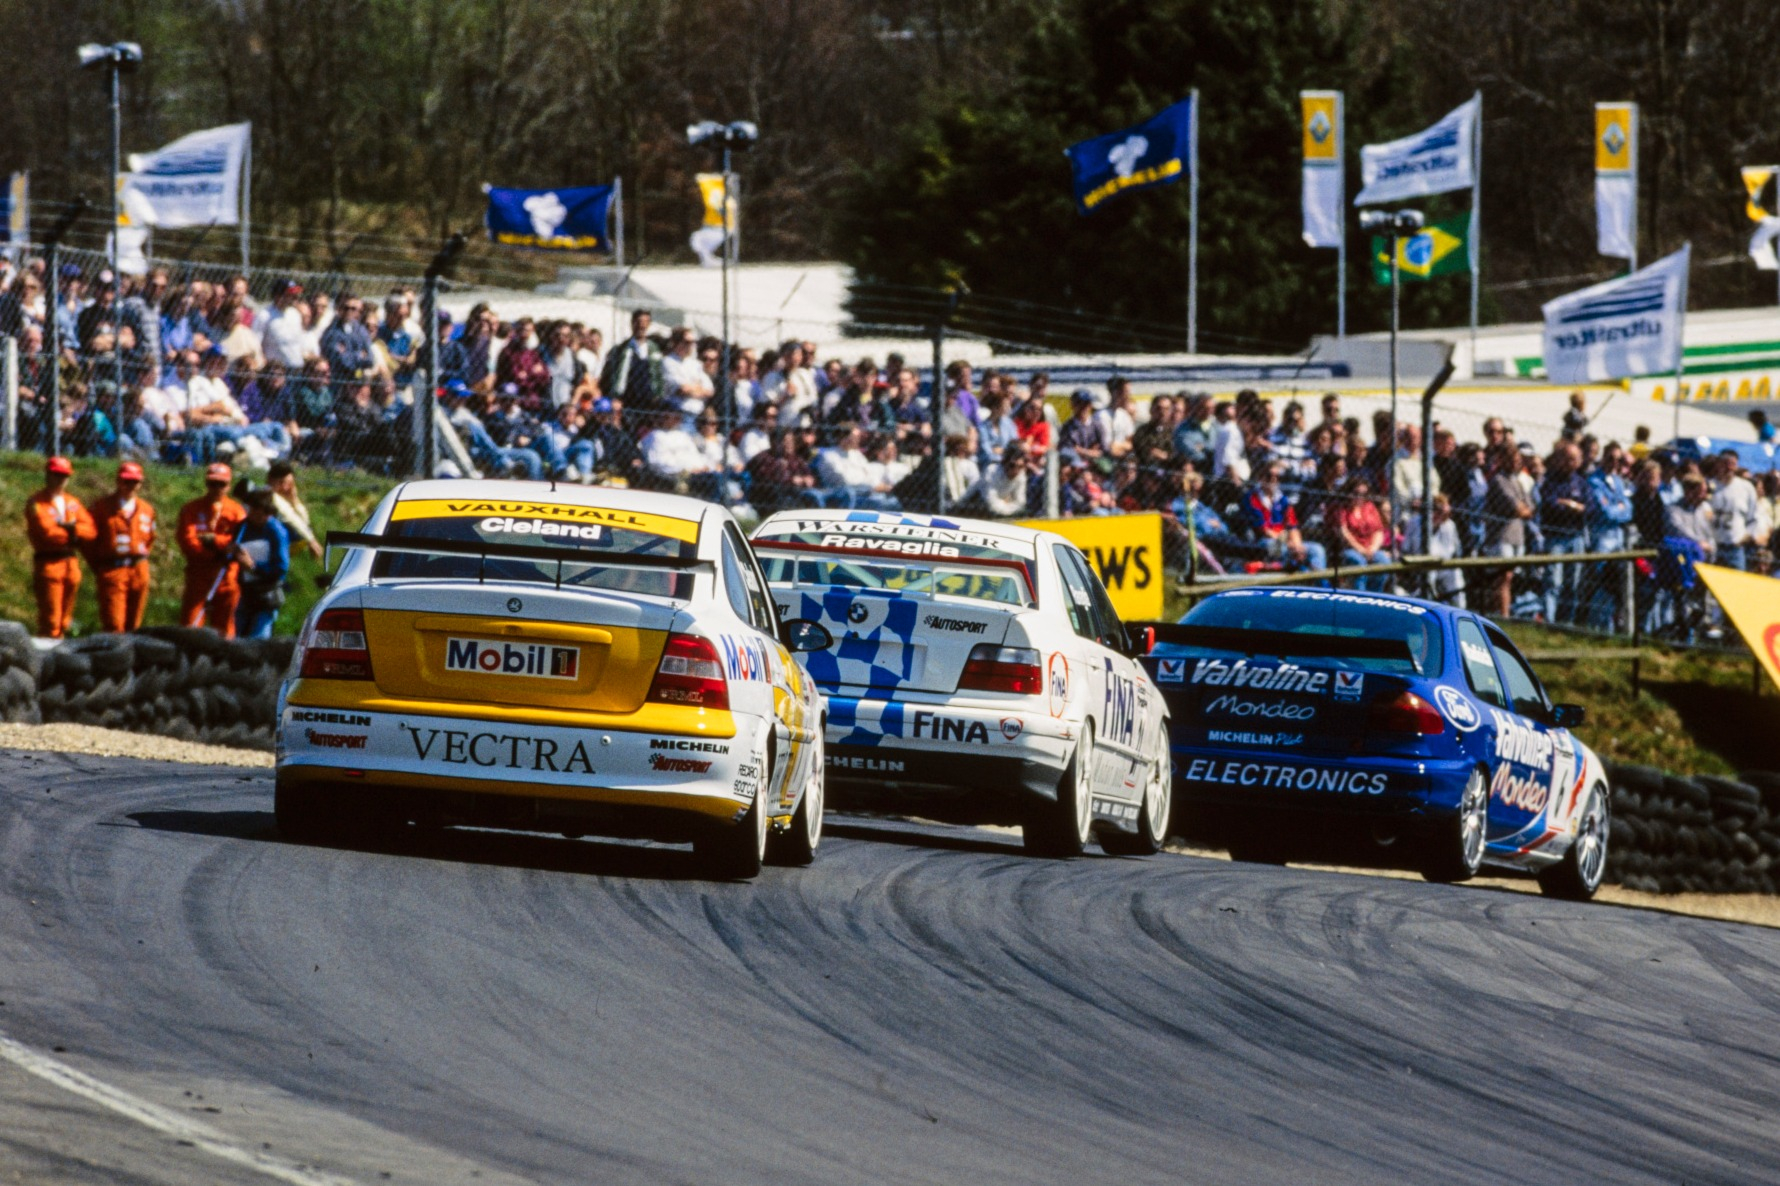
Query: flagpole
point(1680, 370)
point(618, 237)
point(1341, 205)
point(1476, 235)
point(247, 204)
point(1193, 223)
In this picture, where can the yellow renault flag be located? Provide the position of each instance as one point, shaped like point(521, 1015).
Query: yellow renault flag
point(710, 186)
point(1752, 603)
point(1755, 180)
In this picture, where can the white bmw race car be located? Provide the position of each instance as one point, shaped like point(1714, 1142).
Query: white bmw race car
point(977, 673)
point(575, 660)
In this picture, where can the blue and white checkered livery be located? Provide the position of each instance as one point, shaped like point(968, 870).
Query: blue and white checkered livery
point(978, 673)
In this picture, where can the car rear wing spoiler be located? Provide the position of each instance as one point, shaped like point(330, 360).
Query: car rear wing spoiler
point(791, 547)
point(1278, 642)
point(484, 552)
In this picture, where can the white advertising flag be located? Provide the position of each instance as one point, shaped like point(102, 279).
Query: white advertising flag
point(1616, 217)
point(1324, 182)
point(1761, 244)
point(1616, 180)
point(194, 181)
point(1620, 329)
point(1436, 160)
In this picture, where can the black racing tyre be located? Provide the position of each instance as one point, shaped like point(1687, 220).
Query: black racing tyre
point(1059, 827)
point(306, 814)
point(1454, 851)
point(735, 852)
point(1256, 844)
point(1578, 875)
point(796, 846)
point(1152, 817)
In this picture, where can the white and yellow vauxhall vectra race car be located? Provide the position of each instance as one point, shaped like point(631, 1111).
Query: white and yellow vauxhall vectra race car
point(575, 660)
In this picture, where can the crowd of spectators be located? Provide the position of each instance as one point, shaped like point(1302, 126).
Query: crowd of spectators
point(208, 373)
point(1266, 489)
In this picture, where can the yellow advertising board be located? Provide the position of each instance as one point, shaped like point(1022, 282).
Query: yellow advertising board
point(1322, 125)
point(1616, 137)
point(1752, 603)
point(1126, 550)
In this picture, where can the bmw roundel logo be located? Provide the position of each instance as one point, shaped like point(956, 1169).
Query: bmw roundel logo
point(514, 605)
point(1460, 711)
point(858, 612)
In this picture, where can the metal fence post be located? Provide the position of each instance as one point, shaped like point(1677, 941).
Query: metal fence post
point(1053, 470)
point(426, 400)
point(936, 410)
point(10, 361)
point(425, 449)
point(1629, 593)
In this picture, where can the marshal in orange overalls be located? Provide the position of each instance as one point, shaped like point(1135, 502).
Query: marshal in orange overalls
point(126, 527)
point(207, 528)
point(57, 525)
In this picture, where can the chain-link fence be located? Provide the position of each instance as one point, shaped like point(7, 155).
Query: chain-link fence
point(196, 363)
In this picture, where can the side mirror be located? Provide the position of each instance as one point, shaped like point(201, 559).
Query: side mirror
point(801, 634)
point(1568, 716)
point(1139, 640)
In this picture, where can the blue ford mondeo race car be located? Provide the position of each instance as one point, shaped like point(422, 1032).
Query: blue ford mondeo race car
point(1301, 716)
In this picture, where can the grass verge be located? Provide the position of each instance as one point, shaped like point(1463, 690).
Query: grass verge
point(337, 502)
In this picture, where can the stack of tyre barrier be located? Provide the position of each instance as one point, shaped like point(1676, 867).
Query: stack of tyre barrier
point(1694, 835)
point(167, 680)
point(19, 662)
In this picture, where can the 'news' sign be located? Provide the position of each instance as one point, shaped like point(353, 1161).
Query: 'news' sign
point(1126, 550)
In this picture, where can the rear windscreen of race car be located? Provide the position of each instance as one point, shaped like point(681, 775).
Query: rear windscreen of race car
point(871, 551)
point(1323, 619)
point(595, 531)
point(1003, 586)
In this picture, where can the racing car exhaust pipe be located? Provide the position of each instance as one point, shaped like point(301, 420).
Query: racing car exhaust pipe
point(1384, 834)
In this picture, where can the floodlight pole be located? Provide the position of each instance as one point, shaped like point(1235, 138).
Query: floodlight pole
point(1390, 473)
point(52, 257)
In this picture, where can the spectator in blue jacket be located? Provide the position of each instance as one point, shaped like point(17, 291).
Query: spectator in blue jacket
point(262, 547)
point(1609, 516)
point(1563, 520)
point(347, 343)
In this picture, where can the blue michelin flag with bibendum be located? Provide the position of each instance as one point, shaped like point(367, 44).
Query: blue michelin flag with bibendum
point(571, 219)
point(1620, 329)
point(1157, 151)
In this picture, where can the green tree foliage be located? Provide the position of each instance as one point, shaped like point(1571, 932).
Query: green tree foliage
point(922, 140)
point(977, 188)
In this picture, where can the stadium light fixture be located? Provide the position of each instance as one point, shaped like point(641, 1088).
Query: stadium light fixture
point(726, 138)
point(117, 59)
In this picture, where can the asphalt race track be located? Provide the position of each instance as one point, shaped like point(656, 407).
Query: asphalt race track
point(924, 1005)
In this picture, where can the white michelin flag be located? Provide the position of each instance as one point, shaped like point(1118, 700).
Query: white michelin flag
point(1620, 329)
point(1436, 160)
point(194, 181)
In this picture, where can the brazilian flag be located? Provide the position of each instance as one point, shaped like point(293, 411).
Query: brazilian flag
point(1439, 249)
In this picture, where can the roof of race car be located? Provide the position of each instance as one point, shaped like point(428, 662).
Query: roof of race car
point(1022, 541)
point(1340, 596)
point(514, 497)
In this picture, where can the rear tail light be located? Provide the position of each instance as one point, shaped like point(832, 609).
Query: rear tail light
point(691, 672)
point(1002, 669)
point(1406, 713)
point(335, 648)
